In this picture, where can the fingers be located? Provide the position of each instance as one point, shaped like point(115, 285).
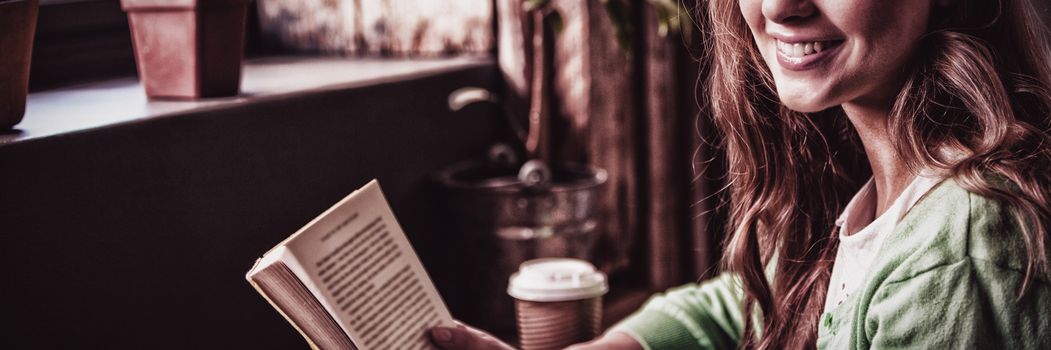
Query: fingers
point(462, 337)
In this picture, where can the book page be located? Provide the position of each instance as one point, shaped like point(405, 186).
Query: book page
point(356, 258)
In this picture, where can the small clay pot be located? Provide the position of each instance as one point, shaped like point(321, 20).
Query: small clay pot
point(187, 49)
point(17, 26)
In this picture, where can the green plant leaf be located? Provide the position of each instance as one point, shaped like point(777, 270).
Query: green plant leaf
point(554, 19)
point(672, 16)
point(664, 22)
point(684, 22)
point(623, 30)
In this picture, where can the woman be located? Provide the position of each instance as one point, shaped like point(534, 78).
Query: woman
point(946, 104)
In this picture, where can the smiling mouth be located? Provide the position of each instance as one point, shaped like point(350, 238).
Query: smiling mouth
point(803, 49)
point(802, 56)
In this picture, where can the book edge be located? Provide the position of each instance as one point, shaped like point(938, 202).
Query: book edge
point(280, 310)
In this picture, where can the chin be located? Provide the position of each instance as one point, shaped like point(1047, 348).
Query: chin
point(804, 105)
point(805, 97)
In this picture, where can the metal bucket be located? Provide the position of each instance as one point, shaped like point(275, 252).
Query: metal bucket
point(502, 222)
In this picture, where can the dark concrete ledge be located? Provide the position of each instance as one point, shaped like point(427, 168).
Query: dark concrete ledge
point(130, 224)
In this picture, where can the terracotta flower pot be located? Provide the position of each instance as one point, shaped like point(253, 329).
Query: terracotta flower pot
point(188, 49)
point(17, 26)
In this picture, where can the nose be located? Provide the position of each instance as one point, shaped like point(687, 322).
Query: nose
point(784, 11)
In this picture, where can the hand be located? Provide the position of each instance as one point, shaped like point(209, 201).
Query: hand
point(463, 337)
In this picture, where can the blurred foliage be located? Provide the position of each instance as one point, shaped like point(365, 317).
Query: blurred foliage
point(672, 17)
point(619, 12)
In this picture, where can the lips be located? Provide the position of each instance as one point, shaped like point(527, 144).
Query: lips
point(804, 55)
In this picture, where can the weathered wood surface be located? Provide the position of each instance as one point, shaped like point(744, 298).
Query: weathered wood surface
point(682, 214)
point(378, 27)
point(610, 139)
point(665, 189)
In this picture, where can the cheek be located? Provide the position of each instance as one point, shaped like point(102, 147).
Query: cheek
point(895, 43)
point(884, 35)
point(889, 28)
point(752, 11)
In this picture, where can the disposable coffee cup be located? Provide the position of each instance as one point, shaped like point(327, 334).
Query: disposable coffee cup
point(558, 302)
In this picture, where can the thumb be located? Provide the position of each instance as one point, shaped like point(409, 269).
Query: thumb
point(446, 337)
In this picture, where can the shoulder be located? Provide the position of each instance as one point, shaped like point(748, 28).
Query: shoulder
point(956, 256)
point(951, 225)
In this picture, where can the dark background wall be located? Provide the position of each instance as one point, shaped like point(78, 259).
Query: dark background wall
point(139, 235)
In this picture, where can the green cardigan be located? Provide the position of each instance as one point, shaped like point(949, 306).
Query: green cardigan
point(946, 278)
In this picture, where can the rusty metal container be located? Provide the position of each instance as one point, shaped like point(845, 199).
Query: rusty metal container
point(502, 222)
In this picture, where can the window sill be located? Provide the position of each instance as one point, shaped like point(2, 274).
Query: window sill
point(119, 101)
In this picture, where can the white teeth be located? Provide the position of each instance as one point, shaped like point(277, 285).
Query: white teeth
point(800, 49)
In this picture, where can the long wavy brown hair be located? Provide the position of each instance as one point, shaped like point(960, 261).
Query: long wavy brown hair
point(976, 106)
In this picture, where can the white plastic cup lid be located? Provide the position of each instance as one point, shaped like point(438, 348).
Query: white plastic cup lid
point(557, 279)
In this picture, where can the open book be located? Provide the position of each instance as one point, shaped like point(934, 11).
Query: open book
point(350, 280)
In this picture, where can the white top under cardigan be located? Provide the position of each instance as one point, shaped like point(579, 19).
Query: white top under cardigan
point(861, 235)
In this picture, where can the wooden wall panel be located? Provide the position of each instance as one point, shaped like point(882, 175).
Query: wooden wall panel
point(610, 141)
point(666, 191)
